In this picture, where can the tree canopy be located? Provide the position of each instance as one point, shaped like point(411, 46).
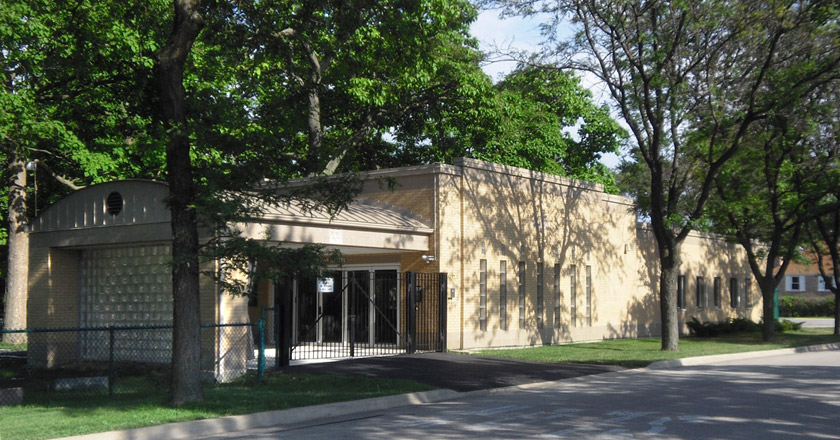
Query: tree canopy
point(228, 101)
point(690, 79)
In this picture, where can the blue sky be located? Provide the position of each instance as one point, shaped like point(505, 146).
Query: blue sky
point(517, 33)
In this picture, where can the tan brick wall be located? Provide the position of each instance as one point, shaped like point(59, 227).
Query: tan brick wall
point(53, 301)
point(514, 215)
point(495, 213)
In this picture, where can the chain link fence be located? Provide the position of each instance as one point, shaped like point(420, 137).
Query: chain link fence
point(120, 361)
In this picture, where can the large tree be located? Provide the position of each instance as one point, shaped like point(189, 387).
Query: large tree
point(824, 237)
point(72, 83)
point(537, 117)
point(549, 122)
point(766, 195)
point(667, 65)
point(255, 93)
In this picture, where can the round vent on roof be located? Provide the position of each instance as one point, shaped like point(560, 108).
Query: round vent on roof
point(114, 203)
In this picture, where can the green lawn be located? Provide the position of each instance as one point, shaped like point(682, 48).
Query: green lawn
point(635, 353)
point(49, 417)
point(13, 347)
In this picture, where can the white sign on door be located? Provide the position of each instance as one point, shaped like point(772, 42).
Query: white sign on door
point(326, 285)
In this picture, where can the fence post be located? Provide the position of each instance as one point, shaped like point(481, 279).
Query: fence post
point(411, 311)
point(351, 296)
point(442, 301)
point(261, 355)
point(278, 335)
point(111, 373)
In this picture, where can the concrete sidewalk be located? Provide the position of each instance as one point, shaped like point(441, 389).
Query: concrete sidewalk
point(208, 427)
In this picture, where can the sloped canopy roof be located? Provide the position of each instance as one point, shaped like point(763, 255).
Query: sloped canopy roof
point(134, 211)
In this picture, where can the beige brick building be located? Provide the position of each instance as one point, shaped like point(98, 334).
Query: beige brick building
point(530, 259)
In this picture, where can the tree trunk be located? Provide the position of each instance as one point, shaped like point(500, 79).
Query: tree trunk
point(837, 312)
point(669, 261)
point(768, 291)
point(313, 122)
point(185, 384)
point(17, 274)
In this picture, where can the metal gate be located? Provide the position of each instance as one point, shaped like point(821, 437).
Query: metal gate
point(357, 313)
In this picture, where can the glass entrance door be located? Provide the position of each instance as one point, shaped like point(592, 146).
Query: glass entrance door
point(365, 301)
point(359, 305)
point(386, 298)
point(332, 309)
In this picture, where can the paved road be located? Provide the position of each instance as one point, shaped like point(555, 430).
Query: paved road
point(814, 322)
point(454, 371)
point(782, 397)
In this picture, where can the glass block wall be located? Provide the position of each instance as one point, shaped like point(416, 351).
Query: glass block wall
point(129, 286)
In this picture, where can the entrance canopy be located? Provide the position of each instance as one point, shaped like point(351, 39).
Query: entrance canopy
point(134, 211)
point(365, 227)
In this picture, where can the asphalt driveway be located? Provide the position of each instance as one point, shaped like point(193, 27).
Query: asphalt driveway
point(454, 371)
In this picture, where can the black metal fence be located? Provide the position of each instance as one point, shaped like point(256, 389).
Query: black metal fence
point(120, 362)
point(358, 313)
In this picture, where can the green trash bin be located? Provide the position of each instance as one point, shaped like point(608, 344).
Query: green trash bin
point(776, 304)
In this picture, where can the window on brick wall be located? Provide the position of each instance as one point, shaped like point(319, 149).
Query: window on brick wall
point(521, 294)
point(795, 283)
point(573, 294)
point(482, 294)
point(540, 298)
point(701, 293)
point(503, 295)
point(589, 296)
point(747, 292)
point(821, 285)
point(717, 294)
point(557, 295)
point(681, 292)
point(734, 294)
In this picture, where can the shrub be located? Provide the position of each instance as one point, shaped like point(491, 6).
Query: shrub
point(737, 325)
point(795, 306)
point(711, 329)
point(785, 325)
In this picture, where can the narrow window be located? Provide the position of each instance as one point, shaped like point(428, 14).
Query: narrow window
point(747, 292)
point(716, 292)
point(589, 296)
point(701, 293)
point(734, 295)
point(482, 295)
point(540, 304)
point(573, 294)
point(681, 292)
point(557, 295)
point(503, 295)
point(521, 294)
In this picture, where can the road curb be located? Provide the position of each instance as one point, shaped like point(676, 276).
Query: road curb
point(221, 425)
point(703, 360)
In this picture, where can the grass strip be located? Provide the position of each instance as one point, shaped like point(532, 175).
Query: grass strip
point(47, 417)
point(637, 353)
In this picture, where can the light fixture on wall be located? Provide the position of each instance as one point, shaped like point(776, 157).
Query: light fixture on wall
point(428, 258)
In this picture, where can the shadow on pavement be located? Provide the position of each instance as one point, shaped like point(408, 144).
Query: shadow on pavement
point(453, 371)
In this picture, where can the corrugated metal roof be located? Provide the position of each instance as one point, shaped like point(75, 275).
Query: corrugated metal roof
point(365, 214)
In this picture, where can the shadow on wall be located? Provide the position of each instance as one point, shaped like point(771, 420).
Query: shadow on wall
point(518, 219)
point(642, 316)
point(726, 261)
